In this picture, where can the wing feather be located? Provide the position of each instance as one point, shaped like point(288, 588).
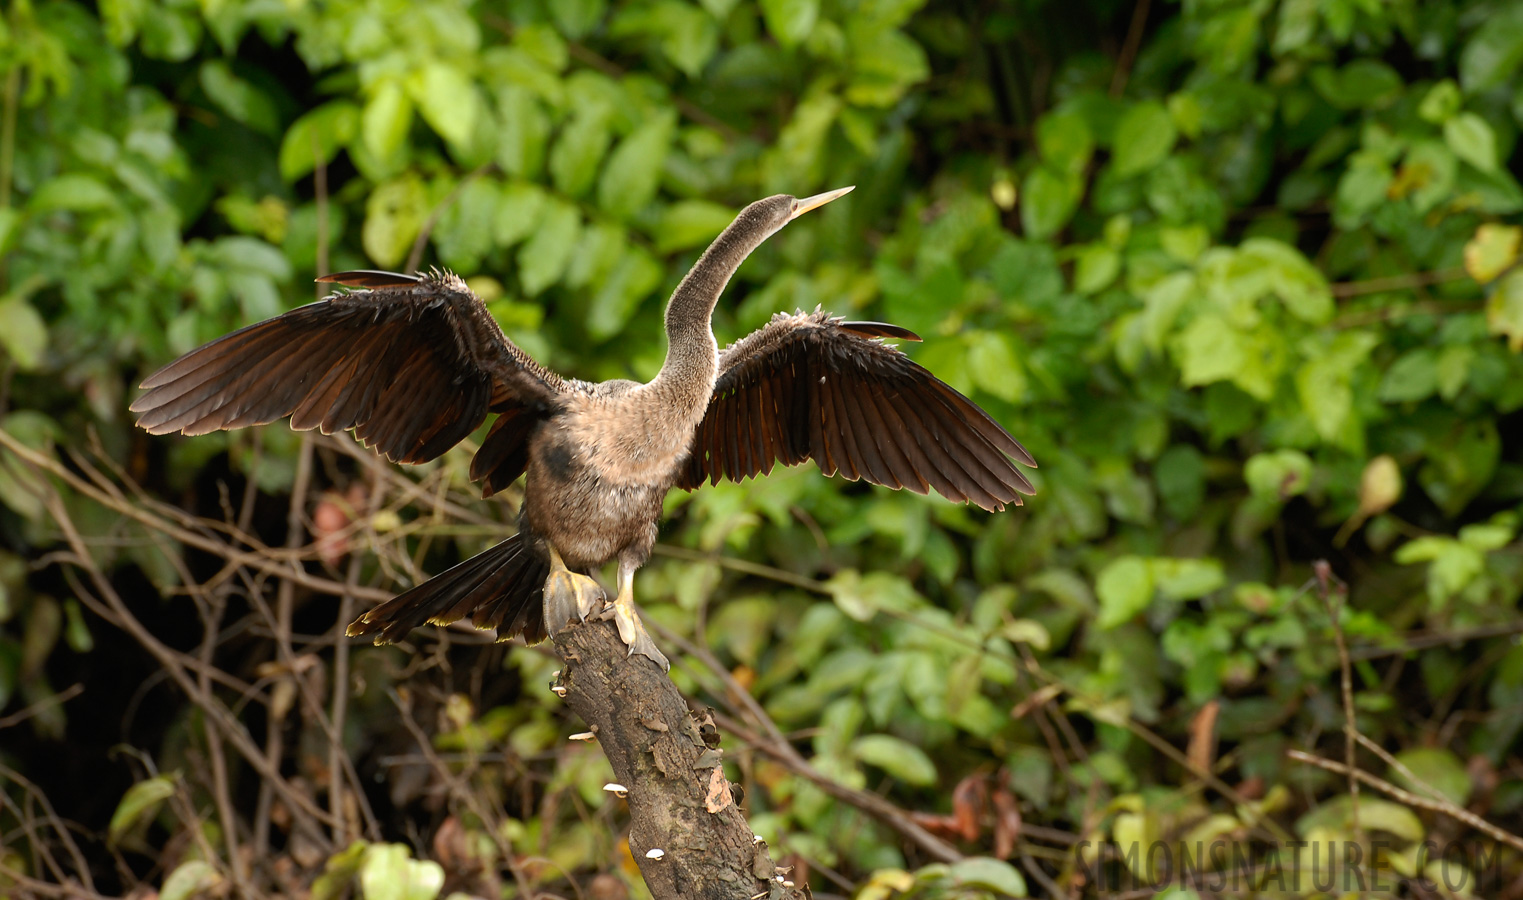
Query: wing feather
point(812, 386)
point(412, 364)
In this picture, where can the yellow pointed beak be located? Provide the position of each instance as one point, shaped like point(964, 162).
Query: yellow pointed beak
point(818, 200)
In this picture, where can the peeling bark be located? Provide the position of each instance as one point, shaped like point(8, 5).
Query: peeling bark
point(674, 778)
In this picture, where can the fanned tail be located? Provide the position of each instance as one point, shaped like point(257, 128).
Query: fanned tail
point(500, 588)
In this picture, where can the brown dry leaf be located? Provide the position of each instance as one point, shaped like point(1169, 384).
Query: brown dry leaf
point(1007, 823)
point(719, 796)
point(968, 800)
point(1202, 751)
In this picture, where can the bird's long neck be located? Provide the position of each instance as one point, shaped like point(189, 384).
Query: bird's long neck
point(691, 353)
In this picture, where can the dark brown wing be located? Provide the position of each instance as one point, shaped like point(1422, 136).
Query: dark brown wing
point(811, 386)
point(412, 366)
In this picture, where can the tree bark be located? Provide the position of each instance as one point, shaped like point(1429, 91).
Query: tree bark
point(679, 800)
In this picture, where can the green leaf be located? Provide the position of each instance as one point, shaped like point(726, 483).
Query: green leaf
point(316, 138)
point(576, 18)
point(690, 223)
point(122, 19)
point(1362, 84)
point(10, 227)
point(1427, 175)
point(447, 98)
point(1441, 102)
point(23, 333)
point(74, 192)
point(1300, 285)
point(1471, 139)
point(518, 213)
point(691, 38)
point(463, 234)
point(1026, 631)
point(523, 131)
point(1124, 588)
point(995, 369)
point(861, 596)
point(1065, 141)
point(1336, 815)
point(387, 120)
point(631, 279)
point(988, 874)
point(1209, 350)
point(394, 214)
point(897, 757)
point(1186, 579)
point(687, 34)
point(140, 803)
point(1494, 51)
point(578, 150)
point(1278, 475)
point(1438, 769)
point(1181, 476)
point(1460, 463)
point(388, 873)
point(339, 871)
point(1362, 189)
point(543, 258)
point(1095, 268)
point(885, 63)
point(1048, 200)
point(1504, 310)
point(1492, 251)
point(633, 171)
point(1492, 535)
point(189, 879)
point(1413, 377)
point(238, 98)
point(1324, 383)
point(1144, 137)
point(790, 21)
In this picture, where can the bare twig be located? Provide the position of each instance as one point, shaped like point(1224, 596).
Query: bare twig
point(1443, 807)
point(21, 715)
point(337, 758)
point(1129, 47)
point(81, 866)
point(301, 805)
point(1397, 283)
point(274, 737)
point(262, 559)
point(1323, 578)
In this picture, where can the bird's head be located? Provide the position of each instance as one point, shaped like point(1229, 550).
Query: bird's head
point(772, 213)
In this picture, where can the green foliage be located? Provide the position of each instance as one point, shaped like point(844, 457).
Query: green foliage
point(1253, 300)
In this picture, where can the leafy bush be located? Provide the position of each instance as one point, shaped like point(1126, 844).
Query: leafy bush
point(1242, 275)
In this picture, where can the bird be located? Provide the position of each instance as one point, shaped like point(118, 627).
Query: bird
point(414, 364)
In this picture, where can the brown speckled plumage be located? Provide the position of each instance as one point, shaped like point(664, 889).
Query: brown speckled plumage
point(413, 364)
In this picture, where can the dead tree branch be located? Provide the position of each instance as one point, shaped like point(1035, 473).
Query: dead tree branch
point(686, 829)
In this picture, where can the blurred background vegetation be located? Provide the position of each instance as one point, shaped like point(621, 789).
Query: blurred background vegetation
point(1242, 274)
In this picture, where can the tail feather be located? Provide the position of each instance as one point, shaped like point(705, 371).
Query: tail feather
point(502, 585)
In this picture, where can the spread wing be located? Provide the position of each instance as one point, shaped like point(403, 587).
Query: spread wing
point(813, 386)
point(413, 365)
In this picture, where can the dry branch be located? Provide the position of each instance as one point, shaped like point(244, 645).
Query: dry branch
point(679, 801)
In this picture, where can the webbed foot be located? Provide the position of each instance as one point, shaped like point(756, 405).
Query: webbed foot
point(568, 595)
point(632, 632)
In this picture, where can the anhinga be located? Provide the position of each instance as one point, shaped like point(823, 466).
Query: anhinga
point(413, 364)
